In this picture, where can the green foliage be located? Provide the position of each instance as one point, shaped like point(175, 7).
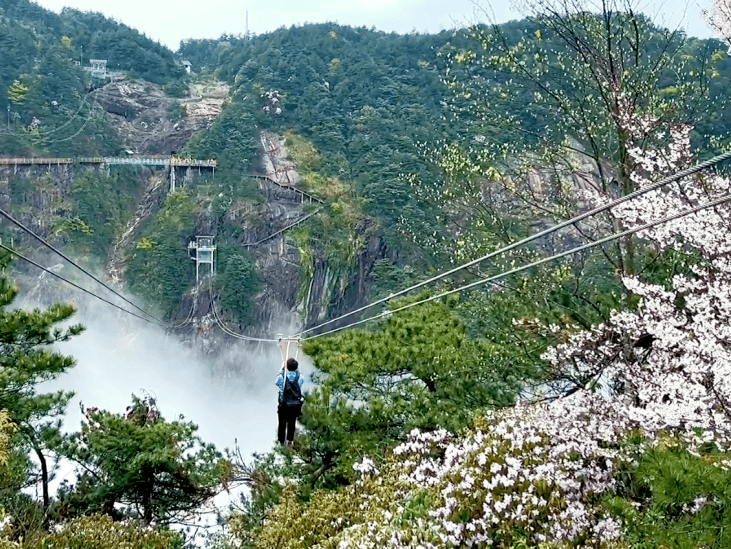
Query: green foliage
point(265, 492)
point(418, 369)
point(232, 140)
point(202, 53)
point(337, 235)
point(16, 479)
point(599, 85)
point(7, 427)
point(26, 360)
point(160, 268)
point(239, 283)
point(17, 93)
point(289, 526)
point(309, 163)
point(103, 204)
point(618, 53)
point(45, 88)
point(158, 470)
point(363, 101)
point(20, 188)
point(388, 276)
point(175, 111)
point(515, 314)
point(675, 497)
point(386, 503)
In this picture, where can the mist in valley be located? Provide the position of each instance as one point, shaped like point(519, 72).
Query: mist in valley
point(229, 394)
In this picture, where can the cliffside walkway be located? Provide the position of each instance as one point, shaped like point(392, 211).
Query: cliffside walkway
point(302, 194)
point(153, 160)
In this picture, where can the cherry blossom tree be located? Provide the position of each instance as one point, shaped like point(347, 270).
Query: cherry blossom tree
point(720, 19)
point(667, 362)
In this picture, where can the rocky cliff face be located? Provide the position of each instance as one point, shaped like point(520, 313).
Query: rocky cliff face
point(152, 123)
point(289, 296)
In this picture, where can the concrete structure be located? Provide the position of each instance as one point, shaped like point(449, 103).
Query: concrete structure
point(98, 68)
point(202, 251)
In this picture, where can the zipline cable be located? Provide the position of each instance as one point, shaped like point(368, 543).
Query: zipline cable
point(610, 238)
point(252, 244)
point(555, 228)
point(188, 318)
point(226, 329)
point(83, 126)
point(54, 130)
point(67, 281)
point(60, 253)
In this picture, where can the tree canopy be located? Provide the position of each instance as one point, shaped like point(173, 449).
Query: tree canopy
point(158, 471)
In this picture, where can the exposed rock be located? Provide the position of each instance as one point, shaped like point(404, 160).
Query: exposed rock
point(274, 160)
point(205, 101)
point(156, 185)
point(294, 294)
point(150, 122)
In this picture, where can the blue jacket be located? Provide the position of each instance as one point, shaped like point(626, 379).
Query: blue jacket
point(290, 376)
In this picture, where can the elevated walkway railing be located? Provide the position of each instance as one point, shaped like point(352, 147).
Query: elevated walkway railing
point(174, 161)
point(304, 195)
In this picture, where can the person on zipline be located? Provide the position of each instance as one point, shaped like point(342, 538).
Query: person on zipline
point(290, 401)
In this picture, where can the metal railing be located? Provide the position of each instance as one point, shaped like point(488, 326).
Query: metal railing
point(153, 160)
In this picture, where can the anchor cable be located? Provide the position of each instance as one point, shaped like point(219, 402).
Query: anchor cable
point(593, 244)
point(662, 182)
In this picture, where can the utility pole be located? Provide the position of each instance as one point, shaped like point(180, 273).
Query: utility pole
point(8, 117)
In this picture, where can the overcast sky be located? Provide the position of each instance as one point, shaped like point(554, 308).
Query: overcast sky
point(171, 21)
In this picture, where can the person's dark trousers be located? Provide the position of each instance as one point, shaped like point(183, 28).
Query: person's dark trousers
point(287, 419)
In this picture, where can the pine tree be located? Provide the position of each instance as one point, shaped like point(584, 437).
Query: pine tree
point(26, 361)
point(157, 470)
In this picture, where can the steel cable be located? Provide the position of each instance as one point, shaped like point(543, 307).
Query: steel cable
point(550, 230)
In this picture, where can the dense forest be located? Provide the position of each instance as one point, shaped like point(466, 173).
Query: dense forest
point(518, 400)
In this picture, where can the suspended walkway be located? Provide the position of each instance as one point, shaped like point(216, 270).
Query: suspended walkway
point(153, 160)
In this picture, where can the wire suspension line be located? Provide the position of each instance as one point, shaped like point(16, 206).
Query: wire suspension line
point(72, 262)
point(298, 336)
point(610, 238)
point(67, 281)
point(555, 228)
point(228, 330)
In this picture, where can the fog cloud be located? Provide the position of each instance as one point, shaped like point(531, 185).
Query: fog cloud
point(231, 396)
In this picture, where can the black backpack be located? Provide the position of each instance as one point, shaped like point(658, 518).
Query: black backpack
point(292, 392)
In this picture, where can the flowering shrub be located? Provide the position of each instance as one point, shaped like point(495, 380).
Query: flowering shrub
point(272, 102)
point(101, 532)
point(720, 19)
point(665, 366)
point(561, 473)
point(530, 474)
